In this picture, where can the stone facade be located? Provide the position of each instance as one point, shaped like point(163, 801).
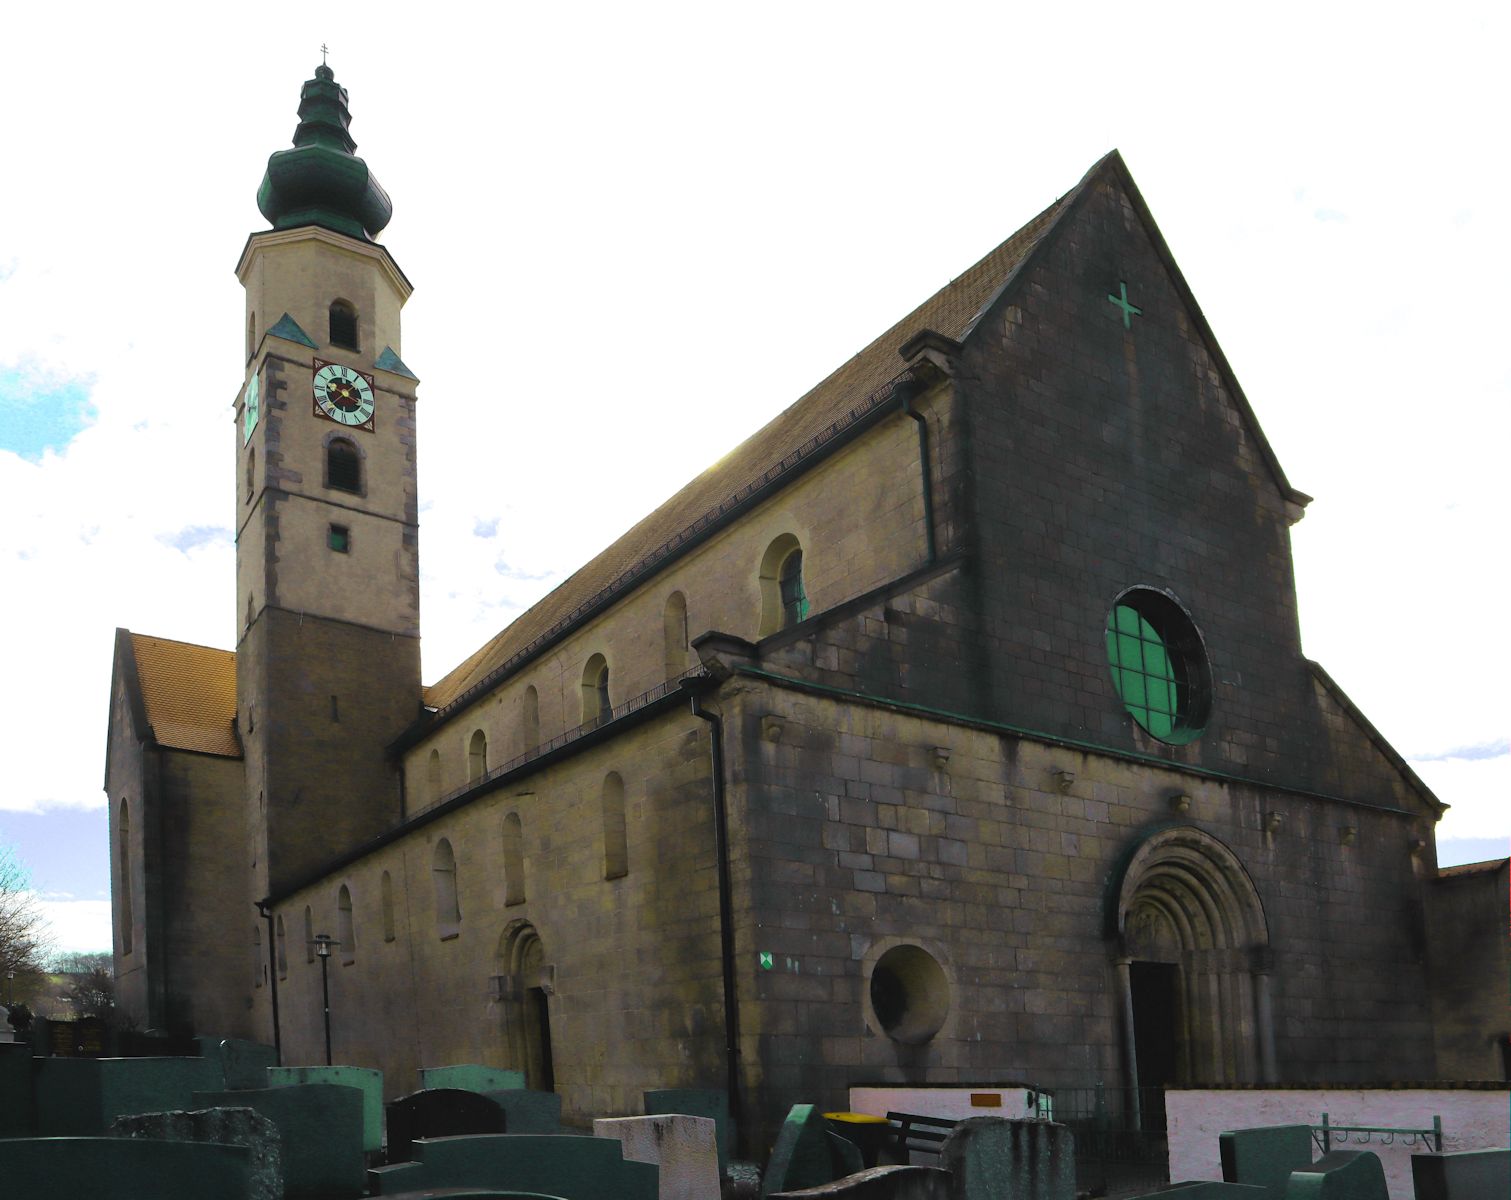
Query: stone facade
point(895, 824)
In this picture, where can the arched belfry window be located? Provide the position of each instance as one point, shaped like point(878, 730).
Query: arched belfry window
point(596, 707)
point(448, 910)
point(251, 335)
point(784, 596)
point(343, 466)
point(344, 325)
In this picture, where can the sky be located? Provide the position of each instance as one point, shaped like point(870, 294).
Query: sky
point(637, 232)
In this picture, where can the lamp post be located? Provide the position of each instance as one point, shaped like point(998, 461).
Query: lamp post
point(323, 944)
point(10, 991)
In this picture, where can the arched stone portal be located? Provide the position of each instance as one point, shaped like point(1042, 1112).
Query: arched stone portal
point(527, 985)
point(1192, 954)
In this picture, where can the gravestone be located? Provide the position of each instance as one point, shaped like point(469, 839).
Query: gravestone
point(244, 1064)
point(81, 1096)
point(103, 1168)
point(682, 1147)
point(1466, 1175)
point(1265, 1156)
point(321, 1127)
point(365, 1079)
point(1341, 1175)
point(697, 1102)
point(439, 1112)
point(224, 1126)
point(880, 1183)
point(528, 1111)
point(990, 1157)
point(806, 1153)
point(471, 1077)
point(567, 1166)
point(16, 1117)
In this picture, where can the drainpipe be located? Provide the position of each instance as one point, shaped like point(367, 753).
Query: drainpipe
point(726, 917)
point(266, 912)
point(924, 470)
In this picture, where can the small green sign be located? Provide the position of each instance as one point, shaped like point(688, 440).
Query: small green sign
point(765, 960)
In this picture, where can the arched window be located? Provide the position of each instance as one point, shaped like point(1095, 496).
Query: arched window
point(251, 471)
point(477, 755)
point(596, 708)
point(784, 598)
point(343, 466)
point(386, 895)
point(616, 857)
point(674, 634)
point(251, 335)
point(433, 776)
point(448, 911)
point(530, 717)
point(346, 932)
point(259, 968)
point(283, 950)
point(514, 859)
point(123, 857)
point(343, 325)
point(309, 935)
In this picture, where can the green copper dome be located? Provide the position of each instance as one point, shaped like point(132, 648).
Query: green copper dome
point(320, 181)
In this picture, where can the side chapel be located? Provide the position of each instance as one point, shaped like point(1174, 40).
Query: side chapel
point(953, 727)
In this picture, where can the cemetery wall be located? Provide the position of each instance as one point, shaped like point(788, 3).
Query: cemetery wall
point(631, 964)
point(1471, 961)
point(1473, 1119)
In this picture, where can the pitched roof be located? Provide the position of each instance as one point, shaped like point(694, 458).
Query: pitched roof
point(1480, 868)
point(952, 311)
point(190, 694)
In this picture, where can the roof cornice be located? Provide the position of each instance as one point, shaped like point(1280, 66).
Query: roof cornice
point(373, 251)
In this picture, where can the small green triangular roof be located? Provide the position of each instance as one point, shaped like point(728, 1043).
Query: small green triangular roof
point(389, 361)
point(288, 329)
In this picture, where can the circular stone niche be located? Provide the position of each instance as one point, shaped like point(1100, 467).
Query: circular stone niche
point(909, 994)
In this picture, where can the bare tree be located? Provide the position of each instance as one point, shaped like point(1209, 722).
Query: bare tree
point(88, 983)
point(24, 941)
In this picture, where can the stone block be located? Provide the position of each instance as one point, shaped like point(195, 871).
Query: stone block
point(1341, 1175)
point(880, 1183)
point(105, 1168)
point(1466, 1175)
point(712, 1103)
point(223, 1126)
point(1265, 1156)
point(321, 1127)
point(471, 1077)
point(437, 1113)
point(683, 1147)
point(569, 1166)
point(528, 1111)
point(243, 1064)
point(365, 1079)
point(81, 1096)
point(989, 1157)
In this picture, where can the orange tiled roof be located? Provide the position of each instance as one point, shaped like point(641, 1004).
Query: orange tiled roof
point(952, 311)
point(190, 694)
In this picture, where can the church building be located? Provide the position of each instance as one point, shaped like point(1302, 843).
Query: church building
point(954, 727)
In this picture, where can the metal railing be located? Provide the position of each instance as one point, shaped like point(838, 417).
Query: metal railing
point(1327, 1133)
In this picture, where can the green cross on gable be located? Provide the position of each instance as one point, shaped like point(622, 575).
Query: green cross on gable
point(1121, 300)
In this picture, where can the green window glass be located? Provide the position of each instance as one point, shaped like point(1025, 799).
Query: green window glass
point(794, 598)
point(1158, 666)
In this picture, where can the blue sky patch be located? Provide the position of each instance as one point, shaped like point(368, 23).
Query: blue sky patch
point(38, 411)
point(193, 536)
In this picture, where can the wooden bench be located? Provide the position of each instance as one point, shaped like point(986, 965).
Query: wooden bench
point(913, 1133)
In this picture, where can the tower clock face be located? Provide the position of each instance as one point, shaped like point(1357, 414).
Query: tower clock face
point(343, 395)
point(251, 411)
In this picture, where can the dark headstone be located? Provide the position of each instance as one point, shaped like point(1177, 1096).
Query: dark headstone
point(803, 1156)
point(880, 1183)
point(439, 1112)
point(244, 1064)
point(102, 1168)
point(1466, 1175)
point(528, 1111)
point(321, 1127)
point(697, 1102)
point(566, 1166)
point(16, 1116)
point(82, 1096)
point(471, 1077)
point(224, 1126)
point(366, 1080)
point(1265, 1156)
point(989, 1157)
point(1341, 1175)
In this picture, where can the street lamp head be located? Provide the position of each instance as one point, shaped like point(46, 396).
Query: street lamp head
point(324, 943)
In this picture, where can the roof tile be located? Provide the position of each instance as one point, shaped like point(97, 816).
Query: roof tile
point(190, 694)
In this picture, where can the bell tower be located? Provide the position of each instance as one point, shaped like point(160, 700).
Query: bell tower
point(327, 547)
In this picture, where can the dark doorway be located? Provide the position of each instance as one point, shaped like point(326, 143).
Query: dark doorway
point(539, 1074)
point(1155, 987)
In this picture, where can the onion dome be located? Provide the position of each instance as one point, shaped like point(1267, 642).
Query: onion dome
point(320, 181)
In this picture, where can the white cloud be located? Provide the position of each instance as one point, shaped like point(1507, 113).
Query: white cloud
point(78, 925)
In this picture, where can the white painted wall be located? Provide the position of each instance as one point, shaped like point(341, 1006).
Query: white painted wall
point(950, 1104)
point(1472, 1120)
